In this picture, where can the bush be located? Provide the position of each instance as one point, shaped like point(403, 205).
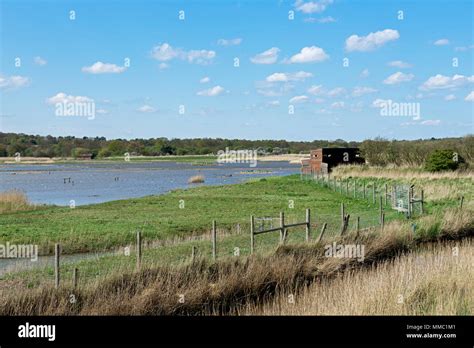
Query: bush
point(443, 160)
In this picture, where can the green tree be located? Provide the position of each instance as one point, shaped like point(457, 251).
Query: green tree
point(443, 160)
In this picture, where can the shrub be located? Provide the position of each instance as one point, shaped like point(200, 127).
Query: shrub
point(443, 160)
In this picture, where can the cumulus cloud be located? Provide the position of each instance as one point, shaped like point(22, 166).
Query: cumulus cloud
point(371, 41)
point(441, 42)
point(62, 97)
point(450, 97)
point(146, 109)
point(299, 99)
point(470, 97)
point(442, 82)
point(103, 68)
point(338, 105)
point(13, 82)
point(364, 73)
point(378, 103)
point(166, 52)
point(318, 90)
point(322, 20)
point(39, 61)
point(397, 78)
point(309, 55)
point(399, 64)
point(229, 42)
point(269, 56)
point(285, 77)
point(360, 91)
point(316, 6)
point(205, 80)
point(211, 92)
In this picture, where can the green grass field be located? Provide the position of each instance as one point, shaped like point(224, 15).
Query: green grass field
point(109, 225)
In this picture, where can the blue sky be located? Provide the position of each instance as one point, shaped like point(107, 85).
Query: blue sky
point(291, 82)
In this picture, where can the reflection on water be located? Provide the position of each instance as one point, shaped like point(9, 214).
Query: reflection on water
point(87, 183)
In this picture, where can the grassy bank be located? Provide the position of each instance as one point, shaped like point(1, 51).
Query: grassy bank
point(181, 213)
point(232, 284)
point(429, 281)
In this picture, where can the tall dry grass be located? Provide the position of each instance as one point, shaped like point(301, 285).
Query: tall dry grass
point(196, 179)
point(228, 285)
point(438, 280)
point(14, 200)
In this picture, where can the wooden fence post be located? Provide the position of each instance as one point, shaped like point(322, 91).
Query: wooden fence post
point(461, 201)
point(409, 202)
point(364, 190)
point(380, 209)
point(422, 202)
point(323, 229)
point(308, 224)
point(57, 251)
point(282, 226)
point(342, 214)
point(357, 226)
point(193, 253)
point(75, 272)
point(386, 194)
point(252, 237)
point(214, 240)
point(373, 193)
point(382, 221)
point(139, 250)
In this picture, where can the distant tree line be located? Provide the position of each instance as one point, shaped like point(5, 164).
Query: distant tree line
point(377, 151)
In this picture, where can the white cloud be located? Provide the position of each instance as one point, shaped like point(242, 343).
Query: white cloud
point(274, 103)
point(316, 90)
point(146, 109)
point(13, 82)
point(103, 68)
point(285, 77)
point(399, 64)
point(229, 42)
point(378, 103)
point(336, 92)
point(441, 42)
point(205, 79)
point(364, 73)
point(316, 6)
point(163, 66)
point(165, 52)
point(371, 41)
point(269, 56)
point(441, 82)
point(39, 61)
point(338, 105)
point(62, 97)
point(200, 56)
point(360, 91)
point(397, 78)
point(450, 97)
point(430, 122)
point(298, 99)
point(463, 48)
point(309, 55)
point(322, 20)
point(211, 92)
point(470, 97)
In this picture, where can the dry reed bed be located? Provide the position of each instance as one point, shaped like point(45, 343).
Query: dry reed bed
point(440, 185)
point(227, 285)
point(14, 200)
point(433, 281)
